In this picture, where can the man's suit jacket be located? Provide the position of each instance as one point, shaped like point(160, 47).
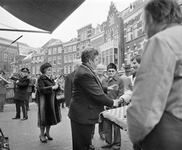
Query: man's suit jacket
point(88, 98)
point(68, 88)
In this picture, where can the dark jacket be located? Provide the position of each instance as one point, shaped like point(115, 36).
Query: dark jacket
point(68, 88)
point(48, 108)
point(88, 97)
point(21, 89)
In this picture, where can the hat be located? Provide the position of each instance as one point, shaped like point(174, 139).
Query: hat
point(25, 70)
point(45, 66)
point(127, 68)
point(111, 66)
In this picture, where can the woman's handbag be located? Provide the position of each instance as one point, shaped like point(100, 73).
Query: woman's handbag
point(4, 142)
point(60, 98)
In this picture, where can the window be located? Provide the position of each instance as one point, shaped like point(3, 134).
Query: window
point(53, 72)
point(55, 50)
point(42, 58)
point(66, 58)
point(129, 34)
point(135, 31)
point(50, 60)
point(38, 58)
point(60, 50)
point(49, 51)
point(34, 60)
point(33, 70)
point(66, 50)
point(70, 49)
point(59, 71)
point(5, 56)
point(74, 56)
point(70, 69)
point(37, 69)
point(70, 58)
point(74, 48)
point(54, 60)
point(59, 59)
point(65, 70)
point(83, 35)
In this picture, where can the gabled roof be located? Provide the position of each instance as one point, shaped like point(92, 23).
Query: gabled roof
point(50, 42)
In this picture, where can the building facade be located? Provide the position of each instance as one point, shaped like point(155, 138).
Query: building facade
point(134, 36)
point(83, 38)
point(12, 54)
point(97, 39)
point(112, 51)
point(8, 52)
point(70, 55)
point(51, 52)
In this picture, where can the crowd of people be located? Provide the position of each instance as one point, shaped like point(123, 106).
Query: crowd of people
point(150, 88)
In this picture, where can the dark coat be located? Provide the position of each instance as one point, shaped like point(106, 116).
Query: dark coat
point(88, 97)
point(21, 89)
point(48, 108)
point(3, 89)
point(68, 88)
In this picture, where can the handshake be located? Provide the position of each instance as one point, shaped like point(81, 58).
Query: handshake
point(117, 102)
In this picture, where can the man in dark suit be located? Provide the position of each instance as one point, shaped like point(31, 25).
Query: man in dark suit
point(21, 94)
point(69, 85)
point(88, 100)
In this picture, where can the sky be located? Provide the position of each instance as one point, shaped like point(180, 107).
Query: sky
point(90, 12)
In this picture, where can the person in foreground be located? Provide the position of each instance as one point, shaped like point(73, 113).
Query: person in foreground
point(154, 116)
point(48, 108)
point(88, 100)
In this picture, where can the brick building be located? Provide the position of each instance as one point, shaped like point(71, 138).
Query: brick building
point(113, 48)
point(134, 37)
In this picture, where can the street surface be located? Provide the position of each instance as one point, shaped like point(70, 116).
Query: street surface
point(24, 135)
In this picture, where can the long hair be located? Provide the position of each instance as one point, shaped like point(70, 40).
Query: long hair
point(167, 11)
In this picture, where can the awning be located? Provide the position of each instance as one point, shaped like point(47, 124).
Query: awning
point(43, 14)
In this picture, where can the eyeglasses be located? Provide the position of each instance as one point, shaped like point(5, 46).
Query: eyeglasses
point(111, 70)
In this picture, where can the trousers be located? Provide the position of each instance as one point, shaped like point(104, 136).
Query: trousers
point(21, 104)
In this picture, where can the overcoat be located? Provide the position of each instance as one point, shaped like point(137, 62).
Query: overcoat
point(68, 88)
point(48, 108)
point(3, 92)
point(21, 89)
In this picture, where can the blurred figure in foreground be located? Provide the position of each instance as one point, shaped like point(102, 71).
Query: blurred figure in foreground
point(154, 116)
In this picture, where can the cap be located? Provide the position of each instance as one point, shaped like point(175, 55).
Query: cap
point(111, 66)
point(25, 70)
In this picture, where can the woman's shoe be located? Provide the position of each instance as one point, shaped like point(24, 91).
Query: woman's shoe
point(48, 137)
point(43, 140)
